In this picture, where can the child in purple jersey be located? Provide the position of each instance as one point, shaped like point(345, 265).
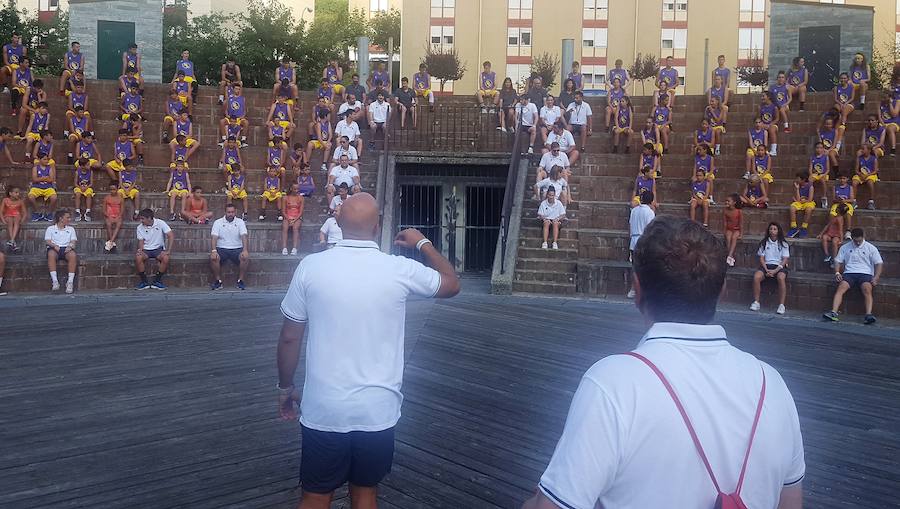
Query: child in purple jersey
point(12, 54)
point(84, 188)
point(798, 79)
point(701, 189)
point(831, 138)
point(668, 75)
point(575, 75)
point(889, 113)
point(755, 193)
point(650, 134)
point(618, 73)
point(819, 169)
point(769, 114)
point(645, 181)
point(615, 94)
point(719, 91)
point(234, 122)
point(781, 93)
point(704, 161)
point(859, 75)
point(866, 172)
point(804, 201)
point(74, 61)
point(334, 74)
point(179, 186)
point(844, 193)
point(285, 71)
point(873, 134)
point(487, 87)
point(717, 115)
point(844, 93)
point(756, 136)
point(703, 135)
point(723, 72)
point(662, 117)
point(422, 84)
point(650, 158)
point(623, 125)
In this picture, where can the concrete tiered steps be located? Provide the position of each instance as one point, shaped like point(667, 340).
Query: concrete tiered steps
point(26, 270)
point(593, 254)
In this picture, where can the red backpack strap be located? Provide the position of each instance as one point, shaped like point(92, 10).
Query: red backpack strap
point(684, 416)
point(759, 405)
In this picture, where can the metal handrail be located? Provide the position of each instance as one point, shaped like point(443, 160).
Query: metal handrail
point(509, 193)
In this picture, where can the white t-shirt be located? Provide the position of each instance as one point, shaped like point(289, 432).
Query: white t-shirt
point(347, 106)
point(552, 211)
point(344, 175)
point(641, 216)
point(550, 115)
point(350, 130)
point(559, 185)
point(335, 201)
point(229, 233)
point(860, 259)
point(773, 252)
point(626, 446)
point(528, 115)
point(154, 236)
point(565, 140)
point(548, 160)
point(331, 229)
point(350, 153)
point(61, 238)
point(379, 111)
point(578, 113)
point(354, 368)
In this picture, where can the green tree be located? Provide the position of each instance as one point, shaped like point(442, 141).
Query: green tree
point(882, 65)
point(444, 64)
point(546, 66)
point(384, 25)
point(47, 43)
point(644, 68)
point(755, 72)
point(10, 19)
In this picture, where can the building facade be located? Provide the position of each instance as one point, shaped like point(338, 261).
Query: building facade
point(510, 33)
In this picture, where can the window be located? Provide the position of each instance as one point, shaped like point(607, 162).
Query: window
point(442, 37)
point(593, 42)
point(831, 1)
point(518, 73)
point(674, 42)
point(443, 8)
point(753, 11)
point(898, 15)
point(597, 9)
point(520, 9)
point(593, 77)
point(751, 42)
point(378, 5)
point(674, 10)
point(518, 41)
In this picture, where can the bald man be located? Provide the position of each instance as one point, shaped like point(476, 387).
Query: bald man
point(354, 368)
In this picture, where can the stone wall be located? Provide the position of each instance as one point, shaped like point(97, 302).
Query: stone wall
point(147, 16)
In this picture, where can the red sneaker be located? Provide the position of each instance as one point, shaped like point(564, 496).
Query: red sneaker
point(13, 112)
point(787, 130)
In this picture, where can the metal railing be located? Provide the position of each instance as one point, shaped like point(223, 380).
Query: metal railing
point(509, 194)
point(449, 128)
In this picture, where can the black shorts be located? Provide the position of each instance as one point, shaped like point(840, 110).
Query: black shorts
point(857, 279)
point(153, 253)
point(576, 128)
point(773, 267)
point(62, 251)
point(525, 128)
point(226, 255)
point(329, 459)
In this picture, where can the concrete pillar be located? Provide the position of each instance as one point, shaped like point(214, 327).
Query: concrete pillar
point(568, 56)
point(362, 59)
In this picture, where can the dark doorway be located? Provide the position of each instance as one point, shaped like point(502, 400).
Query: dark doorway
point(113, 38)
point(420, 208)
point(821, 48)
point(483, 207)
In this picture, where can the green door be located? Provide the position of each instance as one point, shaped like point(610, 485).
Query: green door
point(113, 38)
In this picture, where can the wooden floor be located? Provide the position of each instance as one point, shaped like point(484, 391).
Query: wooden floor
point(156, 402)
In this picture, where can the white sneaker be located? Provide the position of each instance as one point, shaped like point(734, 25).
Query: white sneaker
point(294, 252)
point(555, 245)
point(754, 306)
point(544, 245)
point(55, 287)
point(847, 235)
point(746, 175)
point(70, 287)
point(730, 261)
point(630, 294)
point(531, 150)
point(780, 310)
point(108, 246)
point(284, 252)
point(324, 168)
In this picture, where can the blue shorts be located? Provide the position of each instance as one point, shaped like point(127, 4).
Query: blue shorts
point(62, 251)
point(328, 459)
point(857, 279)
point(153, 253)
point(229, 255)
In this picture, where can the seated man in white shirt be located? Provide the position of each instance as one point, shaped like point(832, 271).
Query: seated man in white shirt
point(861, 264)
point(640, 217)
point(343, 191)
point(556, 182)
point(229, 244)
point(379, 115)
point(330, 233)
point(549, 115)
point(344, 148)
point(155, 241)
point(349, 128)
point(342, 174)
point(551, 213)
point(550, 159)
point(527, 119)
point(581, 119)
point(624, 434)
point(563, 136)
point(352, 108)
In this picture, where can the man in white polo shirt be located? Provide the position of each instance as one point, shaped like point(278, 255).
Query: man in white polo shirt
point(861, 264)
point(555, 157)
point(378, 115)
point(155, 240)
point(354, 368)
point(342, 174)
point(526, 119)
point(229, 244)
point(581, 118)
point(351, 108)
point(640, 217)
point(561, 135)
point(625, 443)
point(344, 148)
point(347, 127)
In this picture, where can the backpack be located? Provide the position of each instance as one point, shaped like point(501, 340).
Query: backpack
point(723, 500)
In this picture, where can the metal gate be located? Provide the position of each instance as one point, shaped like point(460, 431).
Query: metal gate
point(482, 225)
point(420, 208)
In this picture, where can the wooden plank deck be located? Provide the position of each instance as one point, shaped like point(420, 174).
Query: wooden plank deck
point(165, 402)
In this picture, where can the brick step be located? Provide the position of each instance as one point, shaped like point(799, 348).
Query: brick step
point(543, 287)
point(546, 264)
point(628, 167)
point(528, 250)
point(880, 225)
point(545, 276)
point(107, 272)
point(263, 237)
point(806, 254)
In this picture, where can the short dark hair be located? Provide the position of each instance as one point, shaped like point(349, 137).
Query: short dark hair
point(857, 233)
point(229, 206)
point(647, 197)
point(61, 212)
point(196, 188)
point(680, 266)
point(147, 213)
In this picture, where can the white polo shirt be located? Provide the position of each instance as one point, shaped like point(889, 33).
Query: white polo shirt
point(548, 160)
point(860, 259)
point(626, 446)
point(550, 115)
point(773, 252)
point(229, 232)
point(528, 114)
point(379, 111)
point(559, 185)
point(335, 202)
point(61, 238)
point(350, 130)
point(641, 216)
point(348, 106)
point(354, 367)
point(579, 113)
point(331, 230)
point(154, 236)
point(350, 153)
point(344, 175)
point(552, 211)
point(566, 140)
